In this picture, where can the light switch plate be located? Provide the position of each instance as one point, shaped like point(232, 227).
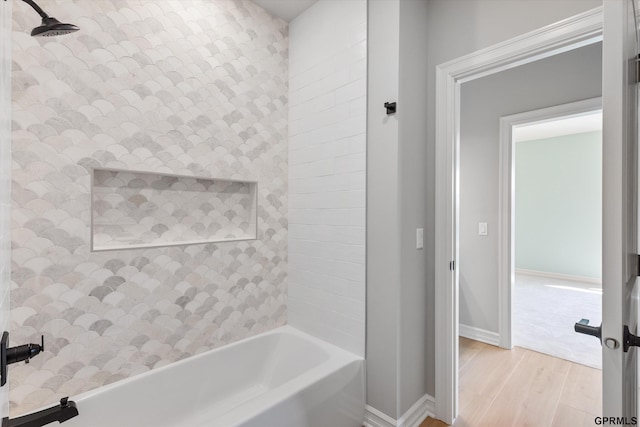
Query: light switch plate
point(482, 229)
point(419, 238)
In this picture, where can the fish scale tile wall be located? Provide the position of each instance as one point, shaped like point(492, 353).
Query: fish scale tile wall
point(195, 88)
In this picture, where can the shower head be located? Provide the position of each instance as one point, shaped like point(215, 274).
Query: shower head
point(50, 26)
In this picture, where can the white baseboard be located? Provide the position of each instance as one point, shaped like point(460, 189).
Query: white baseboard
point(424, 407)
point(481, 335)
point(420, 410)
point(375, 418)
point(559, 276)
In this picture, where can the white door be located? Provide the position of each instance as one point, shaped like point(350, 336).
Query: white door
point(619, 228)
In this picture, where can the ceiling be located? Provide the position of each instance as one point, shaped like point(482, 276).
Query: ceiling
point(559, 127)
point(285, 9)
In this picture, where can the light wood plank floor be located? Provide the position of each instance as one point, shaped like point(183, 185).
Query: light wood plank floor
point(521, 387)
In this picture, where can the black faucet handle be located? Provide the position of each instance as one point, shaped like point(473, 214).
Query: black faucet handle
point(24, 352)
point(64, 401)
point(9, 355)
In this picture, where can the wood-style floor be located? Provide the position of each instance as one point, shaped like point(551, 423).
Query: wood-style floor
point(521, 387)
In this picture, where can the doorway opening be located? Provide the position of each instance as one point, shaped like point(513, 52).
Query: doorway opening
point(555, 229)
point(620, 184)
point(486, 128)
point(570, 35)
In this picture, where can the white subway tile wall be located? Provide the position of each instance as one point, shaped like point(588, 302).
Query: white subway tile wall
point(189, 87)
point(327, 172)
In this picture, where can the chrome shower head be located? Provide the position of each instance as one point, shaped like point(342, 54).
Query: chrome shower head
point(50, 26)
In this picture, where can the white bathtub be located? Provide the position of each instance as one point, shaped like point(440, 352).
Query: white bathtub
point(283, 378)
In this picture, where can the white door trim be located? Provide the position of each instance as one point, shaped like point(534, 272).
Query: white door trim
point(506, 213)
point(568, 34)
point(6, 38)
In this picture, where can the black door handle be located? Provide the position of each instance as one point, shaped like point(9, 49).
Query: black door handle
point(582, 327)
point(630, 340)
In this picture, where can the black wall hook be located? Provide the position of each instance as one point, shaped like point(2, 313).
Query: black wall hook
point(391, 107)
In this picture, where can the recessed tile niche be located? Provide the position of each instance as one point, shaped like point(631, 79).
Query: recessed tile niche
point(140, 209)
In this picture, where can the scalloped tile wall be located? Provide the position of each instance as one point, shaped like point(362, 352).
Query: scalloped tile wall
point(188, 87)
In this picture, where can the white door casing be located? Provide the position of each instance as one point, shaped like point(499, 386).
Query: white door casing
point(5, 179)
point(568, 34)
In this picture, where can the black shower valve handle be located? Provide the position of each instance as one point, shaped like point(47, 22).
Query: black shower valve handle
point(24, 352)
point(9, 355)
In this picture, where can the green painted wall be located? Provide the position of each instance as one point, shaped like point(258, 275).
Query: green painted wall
point(559, 205)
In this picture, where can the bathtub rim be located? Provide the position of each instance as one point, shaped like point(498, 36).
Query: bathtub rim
point(337, 355)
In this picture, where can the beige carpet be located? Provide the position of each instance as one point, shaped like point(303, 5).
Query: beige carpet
point(544, 312)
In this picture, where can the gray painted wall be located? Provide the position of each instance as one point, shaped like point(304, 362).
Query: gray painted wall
point(560, 79)
point(456, 28)
point(396, 271)
point(383, 217)
point(412, 105)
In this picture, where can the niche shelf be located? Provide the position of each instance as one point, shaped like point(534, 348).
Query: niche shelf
point(131, 209)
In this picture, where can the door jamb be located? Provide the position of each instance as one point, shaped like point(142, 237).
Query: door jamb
point(506, 213)
point(577, 31)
